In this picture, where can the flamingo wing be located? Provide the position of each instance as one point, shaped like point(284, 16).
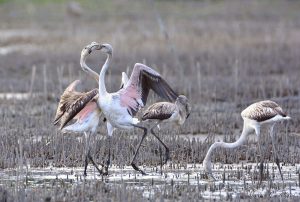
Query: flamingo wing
point(87, 118)
point(71, 103)
point(136, 91)
point(160, 111)
point(124, 80)
point(86, 110)
point(65, 99)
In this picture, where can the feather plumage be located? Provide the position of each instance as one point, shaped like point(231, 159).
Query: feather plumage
point(263, 110)
point(71, 103)
point(143, 79)
point(159, 111)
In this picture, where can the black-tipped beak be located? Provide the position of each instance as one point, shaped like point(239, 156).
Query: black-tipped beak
point(93, 46)
point(99, 47)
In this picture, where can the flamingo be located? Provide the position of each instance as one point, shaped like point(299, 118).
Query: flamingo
point(120, 107)
point(87, 120)
point(254, 116)
point(176, 113)
point(82, 107)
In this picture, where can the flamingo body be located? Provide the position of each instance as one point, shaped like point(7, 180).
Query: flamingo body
point(264, 112)
point(254, 116)
point(77, 105)
point(176, 113)
point(87, 119)
point(120, 107)
point(116, 114)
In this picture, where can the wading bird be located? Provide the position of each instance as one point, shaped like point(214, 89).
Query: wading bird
point(176, 113)
point(84, 109)
point(120, 107)
point(254, 116)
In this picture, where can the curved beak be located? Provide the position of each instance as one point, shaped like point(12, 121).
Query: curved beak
point(93, 46)
point(188, 109)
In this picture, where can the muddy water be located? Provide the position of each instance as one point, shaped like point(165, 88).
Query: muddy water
point(234, 180)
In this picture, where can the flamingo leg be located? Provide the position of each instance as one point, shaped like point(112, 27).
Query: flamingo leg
point(108, 158)
point(167, 154)
point(135, 167)
point(86, 162)
point(88, 154)
point(161, 160)
point(261, 165)
point(275, 152)
point(94, 164)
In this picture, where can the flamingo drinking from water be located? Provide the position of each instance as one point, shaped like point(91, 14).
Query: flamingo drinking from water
point(254, 116)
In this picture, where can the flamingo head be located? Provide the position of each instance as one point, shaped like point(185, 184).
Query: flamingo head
point(106, 48)
point(184, 102)
point(208, 168)
point(87, 50)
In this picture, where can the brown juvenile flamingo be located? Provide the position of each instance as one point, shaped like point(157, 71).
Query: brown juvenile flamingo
point(176, 113)
point(87, 120)
point(120, 107)
point(83, 108)
point(254, 116)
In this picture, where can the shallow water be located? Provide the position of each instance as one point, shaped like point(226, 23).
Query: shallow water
point(236, 181)
point(22, 96)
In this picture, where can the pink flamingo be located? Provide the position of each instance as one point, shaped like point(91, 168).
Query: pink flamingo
point(120, 107)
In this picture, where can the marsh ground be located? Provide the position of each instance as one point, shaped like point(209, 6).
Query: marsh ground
point(223, 55)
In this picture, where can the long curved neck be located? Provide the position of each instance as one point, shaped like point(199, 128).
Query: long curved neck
point(102, 88)
point(182, 113)
point(88, 70)
point(240, 141)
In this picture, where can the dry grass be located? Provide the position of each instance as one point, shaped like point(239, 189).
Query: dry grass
point(222, 55)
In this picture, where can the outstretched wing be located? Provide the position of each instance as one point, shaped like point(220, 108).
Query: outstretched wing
point(159, 111)
point(136, 91)
point(71, 103)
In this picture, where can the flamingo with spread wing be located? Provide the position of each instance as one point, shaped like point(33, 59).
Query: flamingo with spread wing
point(120, 107)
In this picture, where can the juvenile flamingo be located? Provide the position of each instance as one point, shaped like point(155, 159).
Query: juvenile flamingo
point(82, 107)
point(254, 116)
point(87, 120)
point(163, 112)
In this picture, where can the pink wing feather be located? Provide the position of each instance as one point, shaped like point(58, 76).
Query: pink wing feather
point(83, 114)
point(135, 93)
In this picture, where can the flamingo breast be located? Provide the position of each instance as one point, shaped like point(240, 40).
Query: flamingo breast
point(116, 114)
